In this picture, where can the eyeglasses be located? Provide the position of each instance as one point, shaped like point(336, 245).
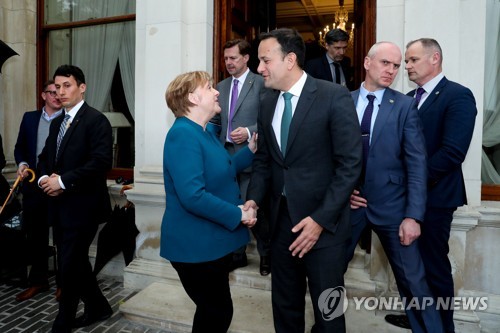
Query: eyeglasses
point(52, 93)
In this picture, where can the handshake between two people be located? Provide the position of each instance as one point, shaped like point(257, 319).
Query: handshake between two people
point(249, 213)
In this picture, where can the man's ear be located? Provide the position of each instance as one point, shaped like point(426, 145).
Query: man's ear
point(291, 59)
point(82, 87)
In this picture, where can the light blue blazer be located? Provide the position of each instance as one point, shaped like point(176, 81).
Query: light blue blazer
point(202, 221)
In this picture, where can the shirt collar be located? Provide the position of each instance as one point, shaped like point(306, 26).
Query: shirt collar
point(74, 110)
point(48, 117)
point(330, 60)
point(429, 86)
point(296, 89)
point(379, 94)
point(242, 78)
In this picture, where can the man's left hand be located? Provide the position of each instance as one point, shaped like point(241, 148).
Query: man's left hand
point(239, 135)
point(51, 186)
point(310, 231)
point(409, 230)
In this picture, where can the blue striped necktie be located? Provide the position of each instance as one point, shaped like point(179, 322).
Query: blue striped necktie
point(62, 131)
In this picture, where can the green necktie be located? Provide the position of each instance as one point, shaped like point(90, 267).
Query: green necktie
point(286, 120)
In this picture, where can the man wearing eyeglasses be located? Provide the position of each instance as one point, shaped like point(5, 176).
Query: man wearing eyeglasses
point(30, 141)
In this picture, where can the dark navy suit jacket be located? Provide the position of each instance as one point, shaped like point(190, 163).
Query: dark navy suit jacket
point(448, 116)
point(25, 149)
point(396, 177)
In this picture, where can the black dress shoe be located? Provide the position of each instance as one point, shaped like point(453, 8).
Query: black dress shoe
point(87, 319)
point(265, 265)
point(239, 260)
point(398, 320)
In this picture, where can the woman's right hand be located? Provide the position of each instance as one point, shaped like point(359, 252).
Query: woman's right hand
point(252, 144)
point(248, 215)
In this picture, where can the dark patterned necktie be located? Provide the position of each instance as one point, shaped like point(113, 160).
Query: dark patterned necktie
point(365, 129)
point(62, 131)
point(419, 94)
point(337, 72)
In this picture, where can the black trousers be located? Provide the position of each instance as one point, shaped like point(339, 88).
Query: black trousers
point(320, 269)
point(434, 250)
point(36, 225)
point(207, 284)
point(78, 281)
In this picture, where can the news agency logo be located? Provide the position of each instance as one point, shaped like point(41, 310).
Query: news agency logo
point(332, 303)
point(441, 303)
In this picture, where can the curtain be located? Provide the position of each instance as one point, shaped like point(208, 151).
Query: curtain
point(490, 166)
point(127, 65)
point(95, 49)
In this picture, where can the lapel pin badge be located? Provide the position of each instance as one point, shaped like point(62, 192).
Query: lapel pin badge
point(391, 101)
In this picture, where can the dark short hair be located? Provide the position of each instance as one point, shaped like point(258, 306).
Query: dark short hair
point(290, 41)
point(336, 35)
point(68, 70)
point(47, 83)
point(243, 46)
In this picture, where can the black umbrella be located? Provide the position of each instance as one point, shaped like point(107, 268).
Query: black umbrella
point(118, 235)
point(5, 53)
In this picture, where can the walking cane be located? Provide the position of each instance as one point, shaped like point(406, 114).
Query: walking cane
point(19, 178)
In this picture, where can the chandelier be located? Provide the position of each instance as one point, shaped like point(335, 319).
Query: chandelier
point(341, 18)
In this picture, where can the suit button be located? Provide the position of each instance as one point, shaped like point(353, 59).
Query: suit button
point(285, 167)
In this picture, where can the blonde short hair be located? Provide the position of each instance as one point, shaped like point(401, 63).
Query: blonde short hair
point(177, 94)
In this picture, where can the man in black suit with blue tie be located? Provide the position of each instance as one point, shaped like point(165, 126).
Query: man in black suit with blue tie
point(73, 165)
point(448, 112)
point(391, 195)
point(30, 142)
point(308, 160)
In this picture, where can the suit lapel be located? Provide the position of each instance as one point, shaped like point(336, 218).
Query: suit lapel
point(304, 104)
point(384, 110)
point(269, 107)
point(432, 96)
point(247, 85)
point(327, 68)
point(224, 102)
point(71, 129)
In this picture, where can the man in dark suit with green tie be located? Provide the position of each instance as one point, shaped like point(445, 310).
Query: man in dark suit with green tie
point(309, 160)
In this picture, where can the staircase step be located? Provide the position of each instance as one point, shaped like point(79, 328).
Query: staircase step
point(167, 306)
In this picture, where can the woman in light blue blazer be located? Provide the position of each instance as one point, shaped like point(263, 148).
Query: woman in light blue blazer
point(204, 221)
